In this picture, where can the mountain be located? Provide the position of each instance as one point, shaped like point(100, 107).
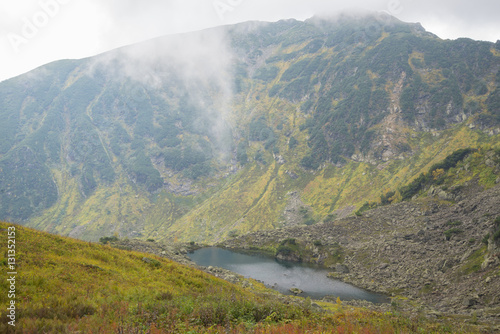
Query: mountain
point(440, 250)
point(240, 128)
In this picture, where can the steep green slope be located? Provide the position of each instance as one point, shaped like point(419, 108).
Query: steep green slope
point(239, 128)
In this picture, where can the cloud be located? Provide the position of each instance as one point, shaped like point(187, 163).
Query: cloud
point(84, 28)
point(199, 64)
point(196, 59)
point(453, 19)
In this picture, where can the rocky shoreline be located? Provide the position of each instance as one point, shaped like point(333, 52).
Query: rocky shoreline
point(438, 255)
point(402, 250)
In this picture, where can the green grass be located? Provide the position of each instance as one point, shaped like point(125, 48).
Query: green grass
point(474, 261)
point(67, 286)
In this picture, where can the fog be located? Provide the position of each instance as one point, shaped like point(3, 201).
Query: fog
point(35, 32)
point(199, 63)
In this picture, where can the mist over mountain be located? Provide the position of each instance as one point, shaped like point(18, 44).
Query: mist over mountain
point(239, 128)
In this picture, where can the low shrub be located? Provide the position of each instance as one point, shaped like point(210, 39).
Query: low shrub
point(105, 240)
point(454, 223)
point(451, 232)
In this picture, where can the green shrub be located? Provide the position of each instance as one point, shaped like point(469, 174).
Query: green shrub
point(266, 73)
point(105, 240)
point(292, 143)
point(386, 199)
point(496, 236)
point(154, 263)
point(284, 250)
point(310, 222)
point(451, 232)
point(412, 189)
point(452, 160)
point(309, 162)
point(366, 206)
point(241, 153)
point(454, 223)
point(290, 241)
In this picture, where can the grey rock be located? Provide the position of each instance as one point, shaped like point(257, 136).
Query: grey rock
point(469, 302)
point(341, 268)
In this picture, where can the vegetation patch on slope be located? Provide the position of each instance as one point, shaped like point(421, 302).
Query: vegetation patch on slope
point(66, 286)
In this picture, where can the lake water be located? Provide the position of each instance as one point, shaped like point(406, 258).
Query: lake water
point(282, 276)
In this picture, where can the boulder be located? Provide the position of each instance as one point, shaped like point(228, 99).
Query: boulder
point(341, 268)
point(469, 302)
point(296, 291)
point(383, 266)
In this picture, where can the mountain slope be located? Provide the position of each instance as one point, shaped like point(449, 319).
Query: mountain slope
point(239, 128)
point(64, 285)
point(439, 250)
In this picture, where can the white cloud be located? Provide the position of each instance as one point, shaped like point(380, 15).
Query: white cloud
point(80, 28)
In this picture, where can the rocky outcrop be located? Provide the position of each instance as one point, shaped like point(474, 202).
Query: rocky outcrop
point(175, 252)
point(431, 251)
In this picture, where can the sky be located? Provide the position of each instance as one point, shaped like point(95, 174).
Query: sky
point(36, 32)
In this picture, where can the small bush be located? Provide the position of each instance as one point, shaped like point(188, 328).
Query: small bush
point(496, 236)
point(284, 250)
point(290, 241)
point(451, 232)
point(310, 222)
point(155, 263)
point(287, 247)
point(105, 240)
point(387, 198)
point(292, 143)
point(454, 223)
point(165, 296)
point(366, 206)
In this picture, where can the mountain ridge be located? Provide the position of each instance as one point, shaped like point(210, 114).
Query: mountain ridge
point(196, 143)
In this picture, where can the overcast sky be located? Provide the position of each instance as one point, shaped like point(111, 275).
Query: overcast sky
point(36, 32)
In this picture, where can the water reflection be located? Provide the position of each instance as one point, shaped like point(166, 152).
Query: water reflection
point(283, 275)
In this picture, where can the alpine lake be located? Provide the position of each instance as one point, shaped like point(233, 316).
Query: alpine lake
point(283, 276)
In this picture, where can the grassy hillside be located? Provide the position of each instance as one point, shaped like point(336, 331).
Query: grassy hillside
point(66, 286)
